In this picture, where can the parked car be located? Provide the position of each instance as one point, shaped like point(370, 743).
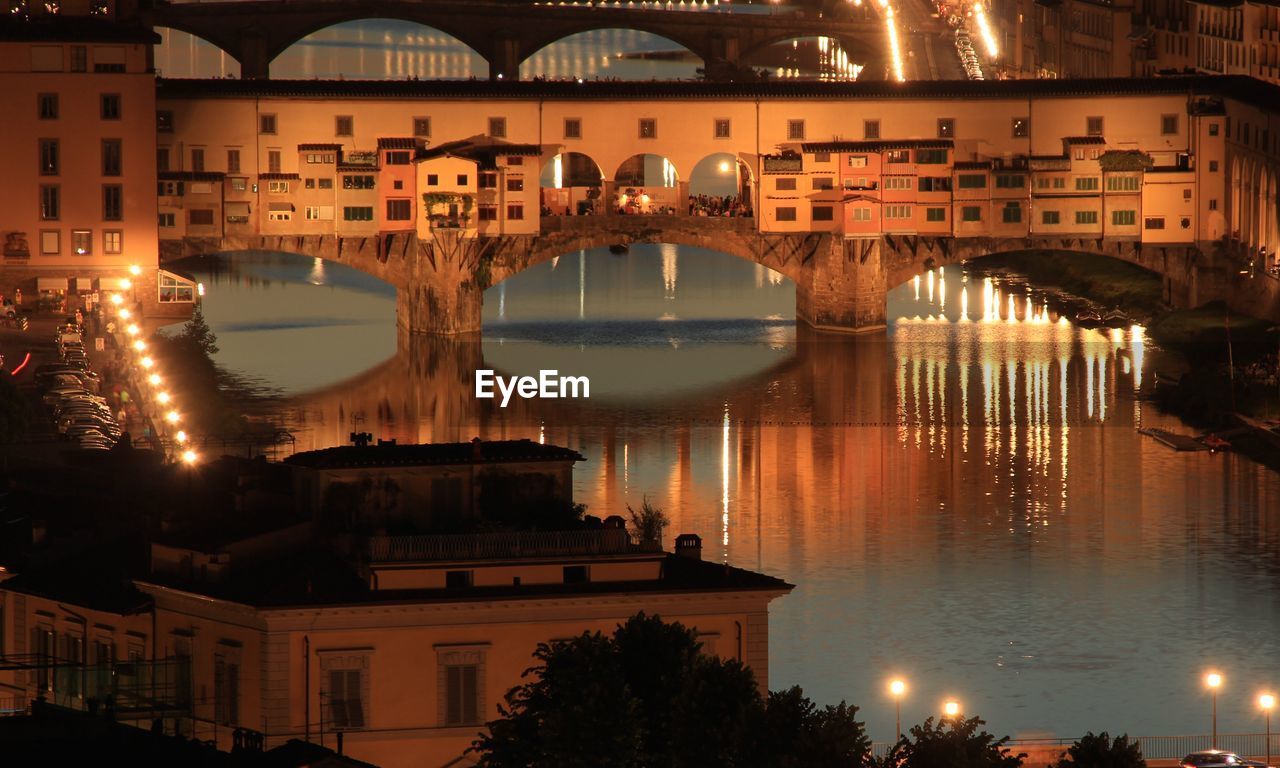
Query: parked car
point(1218, 758)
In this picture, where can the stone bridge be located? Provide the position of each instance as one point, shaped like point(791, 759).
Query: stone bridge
point(841, 284)
point(255, 32)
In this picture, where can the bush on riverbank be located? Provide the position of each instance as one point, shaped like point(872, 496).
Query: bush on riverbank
point(1107, 281)
point(208, 395)
point(1101, 751)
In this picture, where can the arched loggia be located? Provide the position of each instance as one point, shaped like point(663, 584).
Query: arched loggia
point(647, 183)
point(572, 185)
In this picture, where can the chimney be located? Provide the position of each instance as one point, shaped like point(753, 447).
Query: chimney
point(689, 545)
point(476, 453)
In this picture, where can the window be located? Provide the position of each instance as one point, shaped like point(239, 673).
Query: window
point(870, 129)
point(1086, 183)
point(284, 213)
point(1153, 222)
point(1093, 126)
point(1011, 214)
point(49, 157)
point(823, 182)
point(273, 161)
point(576, 574)
point(82, 242)
point(1124, 218)
point(498, 127)
point(1168, 125)
point(278, 187)
point(722, 128)
point(572, 128)
point(1086, 217)
point(972, 181)
point(823, 213)
point(515, 212)
point(323, 183)
point(460, 694)
point(110, 106)
point(1021, 127)
point(897, 182)
point(311, 213)
point(50, 202)
point(897, 211)
point(433, 180)
point(320, 158)
point(488, 212)
point(1050, 217)
point(648, 128)
point(112, 241)
point(421, 126)
point(1122, 183)
point(785, 184)
point(164, 121)
point(267, 124)
point(79, 58)
point(112, 202)
point(398, 157)
point(857, 161)
point(1213, 131)
point(935, 184)
point(971, 213)
point(47, 106)
point(515, 184)
point(1011, 181)
point(786, 213)
point(935, 214)
point(357, 213)
point(462, 179)
point(898, 156)
point(946, 127)
point(226, 690)
point(201, 217)
point(197, 159)
point(931, 156)
point(397, 184)
point(1213, 205)
point(821, 157)
point(862, 214)
point(49, 244)
point(167, 220)
point(399, 210)
point(174, 289)
point(515, 160)
point(360, 182)
point(346, 698)
point(488, 180)
point(343, 125)
point(795, 130)
point(1213, 166)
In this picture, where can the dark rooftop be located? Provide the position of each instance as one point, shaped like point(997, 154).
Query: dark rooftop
point(58, 28)
point(319, 147)
point(440, 454)
point(1084, 140)
point(1239, 87)
point(191, 175)
point(397, 143)
point(875, 146)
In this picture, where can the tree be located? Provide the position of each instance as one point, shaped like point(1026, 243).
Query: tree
point(1101, 751)
point(951, 743)
point(647, 696)
point(197, 333)
point(649, 522)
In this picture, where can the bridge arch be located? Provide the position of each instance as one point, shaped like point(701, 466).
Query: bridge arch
point(533, 45)
point(429, 51)
point(618, 41)
point(200, 54)
point(835, 59)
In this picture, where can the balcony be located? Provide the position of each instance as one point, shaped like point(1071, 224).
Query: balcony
point(504, 546)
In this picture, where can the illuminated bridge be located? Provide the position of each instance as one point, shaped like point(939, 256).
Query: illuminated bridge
point(505, 34)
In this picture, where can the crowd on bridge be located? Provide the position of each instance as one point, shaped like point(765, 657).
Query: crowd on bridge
point(1264, 372)
point(714, 205)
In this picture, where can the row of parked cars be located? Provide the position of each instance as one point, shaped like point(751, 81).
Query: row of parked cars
point(968, 56)
point(70, 389)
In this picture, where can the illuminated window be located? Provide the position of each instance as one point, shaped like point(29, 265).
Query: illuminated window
point(1021, 127)
point(81, 242)
point(421, 126)
point(946, 127)
point(112, 241)
point(648, 128)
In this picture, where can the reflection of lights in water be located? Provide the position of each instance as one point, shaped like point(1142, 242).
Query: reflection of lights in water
point(502, 299)
point(915, 281)
point(964, 303)
point(542, 433)
point(555, 261)
point(1137, 348)
point(582, 284)
point(317, 276)
point(669, 269)
point(724, 479)
point(930, 280)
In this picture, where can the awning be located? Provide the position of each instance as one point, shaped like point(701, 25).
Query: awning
point(279, 206)
point(239, 208)
point(51, 283)
point(112, 283)
point(84, 285)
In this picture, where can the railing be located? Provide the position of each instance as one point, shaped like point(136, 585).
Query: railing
point(13, 705)
point(1153, 747)
point(488, 546)
point(586, 225)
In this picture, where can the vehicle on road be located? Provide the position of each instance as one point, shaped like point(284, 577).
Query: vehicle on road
point(1218, 758)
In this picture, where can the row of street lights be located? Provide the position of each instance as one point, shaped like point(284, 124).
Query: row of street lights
point(898, 689)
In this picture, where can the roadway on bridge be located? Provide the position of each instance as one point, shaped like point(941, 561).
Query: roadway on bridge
point(929, 43)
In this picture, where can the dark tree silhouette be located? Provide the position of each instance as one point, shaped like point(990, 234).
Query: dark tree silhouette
point(1101, 751)
point(951, 743)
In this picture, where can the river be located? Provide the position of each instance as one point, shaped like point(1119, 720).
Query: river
point(963, 500)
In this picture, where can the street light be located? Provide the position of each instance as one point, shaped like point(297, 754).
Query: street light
point(896, 689)
point(1214, 681)
point(1267, 702)
point(951, 709)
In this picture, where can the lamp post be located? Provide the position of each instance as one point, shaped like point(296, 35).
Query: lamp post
point(1267, 702)
point(951, 709)
point(1214, 681)
point(896, 689)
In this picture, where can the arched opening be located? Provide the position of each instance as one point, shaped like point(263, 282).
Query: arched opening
point(720, 185)
point(181, 54)
point(646, 184)
point(572, 185)
point(612, 54)
point(808, 58)
point(380, 49)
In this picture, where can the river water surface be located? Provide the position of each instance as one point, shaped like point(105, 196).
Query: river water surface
point(963, 500)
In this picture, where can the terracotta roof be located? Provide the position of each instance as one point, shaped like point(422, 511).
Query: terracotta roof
point(319, 147)
point(474, 452)
point(278, 176)
point(1084, 140)
point(397, 143)
point(353, 167)
point(58, 28)
point(191, 176)
point(875, 146)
